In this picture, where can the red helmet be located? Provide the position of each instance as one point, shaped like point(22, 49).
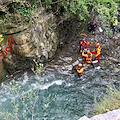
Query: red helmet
point(96, 45)
point(79, 64)
point(87, 43)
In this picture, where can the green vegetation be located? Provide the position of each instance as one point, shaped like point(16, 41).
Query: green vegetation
point(109, 102)
point(82, 9)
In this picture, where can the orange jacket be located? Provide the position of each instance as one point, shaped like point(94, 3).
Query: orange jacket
point(88, 57)
point(80, 70)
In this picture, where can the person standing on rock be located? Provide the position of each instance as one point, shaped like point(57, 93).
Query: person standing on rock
point(92, 26)
point(114, 22)
point(97, 51)
point(88, 57)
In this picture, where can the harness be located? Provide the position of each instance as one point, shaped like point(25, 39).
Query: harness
point(99, 48)
point(80, 70)
point(89, 56)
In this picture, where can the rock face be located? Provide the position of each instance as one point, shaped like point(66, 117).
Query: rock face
point(111, 115)
point(38, 41)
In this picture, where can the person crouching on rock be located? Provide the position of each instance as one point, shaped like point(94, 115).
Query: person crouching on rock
point(92, 26)
point(83, 44)
point(97, 51)
point(88, 57)
point(80, 69)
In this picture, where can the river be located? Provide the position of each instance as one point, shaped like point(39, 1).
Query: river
point(75, 96)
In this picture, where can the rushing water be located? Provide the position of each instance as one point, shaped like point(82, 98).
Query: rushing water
point(75, 96)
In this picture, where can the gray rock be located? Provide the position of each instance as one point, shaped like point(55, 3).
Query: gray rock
point(114, 59)
point(111, 115)
point(118, 117)
point(84, 118)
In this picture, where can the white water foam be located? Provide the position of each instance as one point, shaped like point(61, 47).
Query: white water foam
point(47, 85)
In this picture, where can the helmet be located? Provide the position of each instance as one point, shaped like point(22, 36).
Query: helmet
point(87, 43)
point(79, 64)
point(97, 44)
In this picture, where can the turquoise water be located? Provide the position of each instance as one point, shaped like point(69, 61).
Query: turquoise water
point(75, 96)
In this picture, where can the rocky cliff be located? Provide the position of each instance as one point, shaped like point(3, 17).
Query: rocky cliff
point(38, 40)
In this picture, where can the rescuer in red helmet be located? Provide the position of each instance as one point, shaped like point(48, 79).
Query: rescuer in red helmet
point(97, 51)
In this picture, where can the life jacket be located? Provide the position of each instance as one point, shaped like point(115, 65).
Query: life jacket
point(89, 58)
point(80, 70)
point(115, 22)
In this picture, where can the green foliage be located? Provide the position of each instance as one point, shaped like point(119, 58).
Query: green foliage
point(6, 17)
point(109, 102)
point(106, 9)
point(69, 8)
point(27, 13)
point(82, 8)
